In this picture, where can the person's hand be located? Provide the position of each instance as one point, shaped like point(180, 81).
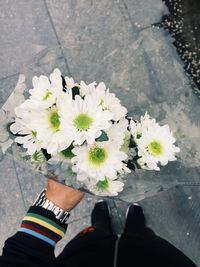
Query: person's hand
point(63, 196)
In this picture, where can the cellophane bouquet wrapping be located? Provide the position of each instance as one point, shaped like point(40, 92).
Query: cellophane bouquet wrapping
point(82, 133)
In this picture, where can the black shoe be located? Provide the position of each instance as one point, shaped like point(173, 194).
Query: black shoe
point(135, 220)
point(101, 216)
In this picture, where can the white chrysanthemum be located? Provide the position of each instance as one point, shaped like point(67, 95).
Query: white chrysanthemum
point(97, 161)
point(106, 187)
point(119, 135)
point(124, 170)
point(83, 119)
point(45, 91)
point(86, 89)
point(156, 145)
point(70, 83)
point(109, 101)
point(29, 138)
point(47, 124)
point(138, 127)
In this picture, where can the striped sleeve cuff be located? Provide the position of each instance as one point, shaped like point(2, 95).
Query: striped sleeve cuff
point(43, 225)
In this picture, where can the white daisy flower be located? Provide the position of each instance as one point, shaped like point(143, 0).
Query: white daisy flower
point(97, 161)
point(45, 91)
point(138, 127)
point(83, 119)
point(47, 124)
point(105, 187)
point(70, 83)
point(156, 145)
point(124, 170)
point(119, 134)
point(29, 138)
point(86, 89)
point(56, 84)
point(109, 101)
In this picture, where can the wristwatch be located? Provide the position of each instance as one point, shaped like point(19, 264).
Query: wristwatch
point(45, 203)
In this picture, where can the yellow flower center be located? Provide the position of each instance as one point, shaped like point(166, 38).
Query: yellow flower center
point(155, 148)
point(83, 122)
point(97, 155)
point(54, 120)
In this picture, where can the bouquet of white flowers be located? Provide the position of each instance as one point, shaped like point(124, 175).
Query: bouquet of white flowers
point(85, 131)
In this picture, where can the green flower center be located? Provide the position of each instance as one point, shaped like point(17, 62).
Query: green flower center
point(67, 153)
point(47, 95)
point(97, 155)
point(83, 122)
point(103, 185)
point(155, 148)
point(54, 120)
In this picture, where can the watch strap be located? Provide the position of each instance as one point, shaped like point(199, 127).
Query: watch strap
point(45, 203)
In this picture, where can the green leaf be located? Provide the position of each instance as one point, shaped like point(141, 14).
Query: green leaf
point(47, 156)
point(75, 91)
point(67, 153)
point(131, 165)
point(103, 137)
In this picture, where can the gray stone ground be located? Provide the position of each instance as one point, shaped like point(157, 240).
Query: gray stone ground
point(113, 41)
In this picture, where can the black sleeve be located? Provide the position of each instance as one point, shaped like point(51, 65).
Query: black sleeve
point(33, 245)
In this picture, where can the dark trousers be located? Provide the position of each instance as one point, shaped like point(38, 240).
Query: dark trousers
point(97, 247)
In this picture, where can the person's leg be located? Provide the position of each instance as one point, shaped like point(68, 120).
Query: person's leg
point(142, 246)
point(96, 237)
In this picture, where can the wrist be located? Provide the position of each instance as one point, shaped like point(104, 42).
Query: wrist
point(63, 196)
